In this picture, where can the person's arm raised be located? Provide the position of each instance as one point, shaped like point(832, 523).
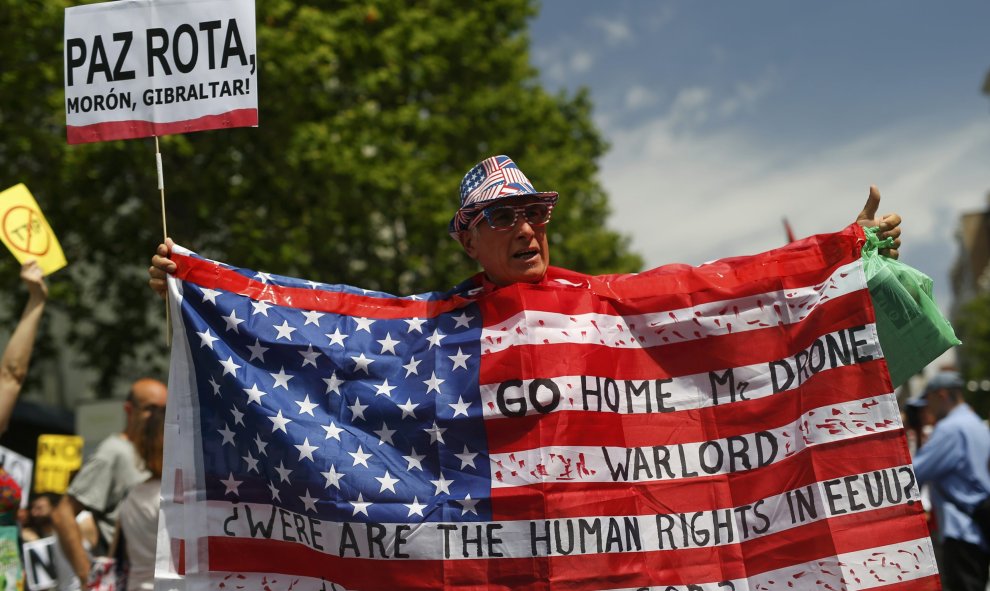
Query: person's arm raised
point(17, 355)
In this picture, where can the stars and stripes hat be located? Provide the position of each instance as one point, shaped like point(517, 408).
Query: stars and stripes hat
point(491, 180)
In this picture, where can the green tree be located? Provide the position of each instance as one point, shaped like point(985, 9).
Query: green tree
point(972, 324)
point(370, 113)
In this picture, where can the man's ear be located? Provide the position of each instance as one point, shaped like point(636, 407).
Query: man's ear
point(467, 238)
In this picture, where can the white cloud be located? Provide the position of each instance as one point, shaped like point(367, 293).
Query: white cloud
point(690, 107)
point(581, 62)
point(660, 17)
point(616, 30)
point(689, 196)
point(638, 97)
point(747, 94)
point(559, 65)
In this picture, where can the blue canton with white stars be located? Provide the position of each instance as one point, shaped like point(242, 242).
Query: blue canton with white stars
point(337, 417)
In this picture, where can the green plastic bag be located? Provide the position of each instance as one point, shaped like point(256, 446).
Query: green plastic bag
point(912, 330)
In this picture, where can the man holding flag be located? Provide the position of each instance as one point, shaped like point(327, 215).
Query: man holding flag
point(511, 247)
point(722, 427)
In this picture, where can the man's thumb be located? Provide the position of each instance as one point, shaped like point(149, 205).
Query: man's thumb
point(872, 205)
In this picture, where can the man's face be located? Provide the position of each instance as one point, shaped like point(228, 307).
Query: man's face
point(145, 394)
point(939, 403)
point(519, 254)
point(41, 509)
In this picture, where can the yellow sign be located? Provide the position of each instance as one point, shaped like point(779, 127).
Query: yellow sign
point(25, 231)
point(59, 456)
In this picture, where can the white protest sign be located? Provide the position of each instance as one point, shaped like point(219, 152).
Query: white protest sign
point(138, 68)
point(20, 469)
point(39, 564)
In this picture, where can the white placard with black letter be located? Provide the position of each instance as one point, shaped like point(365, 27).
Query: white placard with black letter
point(39, 564)
point(138, 68)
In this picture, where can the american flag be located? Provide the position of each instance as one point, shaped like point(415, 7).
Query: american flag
point(728, 426)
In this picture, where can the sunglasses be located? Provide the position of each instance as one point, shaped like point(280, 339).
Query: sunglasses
point(503, 217)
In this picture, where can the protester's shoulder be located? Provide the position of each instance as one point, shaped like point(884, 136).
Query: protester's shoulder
point(112, 446)
point(945, 431)
point(112, 451)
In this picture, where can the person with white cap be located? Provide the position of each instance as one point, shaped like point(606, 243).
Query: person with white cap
point(953, 462)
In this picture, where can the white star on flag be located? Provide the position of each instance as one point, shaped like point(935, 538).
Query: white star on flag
point(433, 383)
point(388, 344)
point(263, 277)
point(333, 477)
point(333, 431)
point(467, 458)
point(357, 409)
point(469, 505)
point(254, 394)
point(231, 485)
point(415, 508)
point(408, 408)
point(463, 320)
point(364, 324)
point(284, 331)
point(260, 308)
point(229, 367)
point(261, 444)
point(436, 433)
point(281, 378)
point(279, 422)
point(361, 363)
point(252, 463)
point(257, 351)
point(411, 367)
point(415, 324)
point(306, 450)
point(442, 485)
point(215, 386)
point(309, 356)
point(460, 407)
point(435, 338)
point(238, 416)
point(460, 360)
point(360, 456)
point(387, 482)
point(227, 434)
point(360, 505)
point(283, 472)
point(414, 459)
point(333, 383)
point(210, 295)
point(385, 434)
point(384, 388)
point(336, 337)
point(206, 338)
point(313, 317)
point(306, 407)
point(232, 321)
point(310, 502)
point(274, 491)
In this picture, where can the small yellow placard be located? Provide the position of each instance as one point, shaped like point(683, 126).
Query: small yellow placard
point(58, 457)
point(25, 231)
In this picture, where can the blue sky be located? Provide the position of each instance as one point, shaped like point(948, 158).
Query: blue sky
point(724, 117)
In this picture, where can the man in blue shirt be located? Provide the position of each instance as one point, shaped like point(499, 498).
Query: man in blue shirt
point(954, 463)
